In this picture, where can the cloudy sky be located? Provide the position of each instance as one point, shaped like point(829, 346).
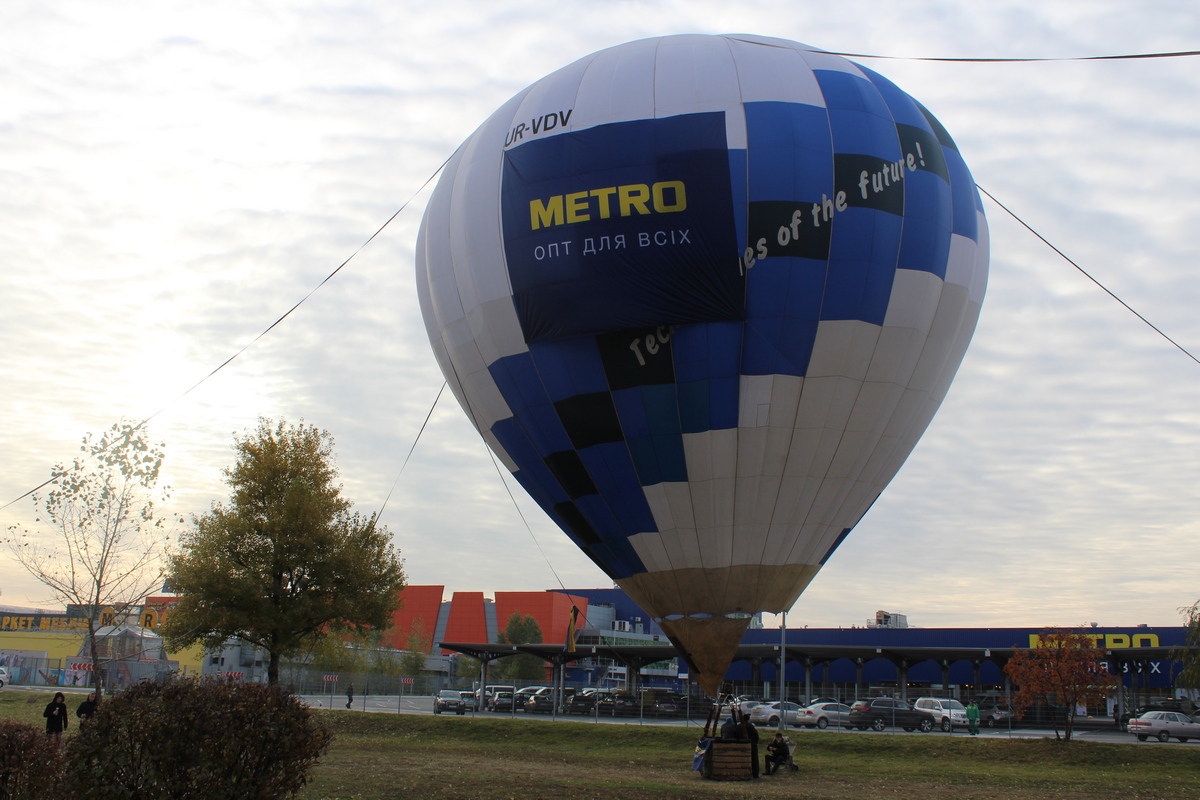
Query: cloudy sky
point(173, 177)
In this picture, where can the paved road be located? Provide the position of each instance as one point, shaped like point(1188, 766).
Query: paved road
point(424, 705)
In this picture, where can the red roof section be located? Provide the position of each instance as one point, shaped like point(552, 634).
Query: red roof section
point(467, 622)
point(416, 603)
point(552, 610)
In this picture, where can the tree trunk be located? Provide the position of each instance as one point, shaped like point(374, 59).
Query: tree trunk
point(96, 675)
point(273, 670)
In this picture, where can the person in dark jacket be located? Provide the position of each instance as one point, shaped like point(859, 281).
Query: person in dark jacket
point(87, 708)
point(752, 738)
point(56, 716)
point(777, 754)
point(349, 695)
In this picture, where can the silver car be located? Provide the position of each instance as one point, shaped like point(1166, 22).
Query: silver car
point(769, 713)
point(1163, 725)
point(822, 715)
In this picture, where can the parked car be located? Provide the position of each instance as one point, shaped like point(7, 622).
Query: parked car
point(769, 714)
point(4, 679)
point(583, 702)
point(468, 700)
point(746, 703)
point(540, 702)
point(501, 701)
point(822, 715)
point(880, 712)
point(670, 705)
point(1167, 704)
point(449, 700)
point(619, 704)
point(525, 693)
point(947, 713)
point(992, 713)
point(483, 697)
point(1163, 725)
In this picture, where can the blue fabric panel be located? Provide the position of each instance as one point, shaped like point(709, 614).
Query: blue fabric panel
point(783, 306)
point(928, 217)
point(900, 105)
point(645, 460)
point(963, 186)
point(862, 265)
point(842, 90)
point(519, 384)
point(789, 152)
point(738, 185)
point(864, 134)
point(706, 350)
point(631, 412)
point(662, 412)
point(550, 212)
point(569, 367)
point(532, 473)
point(694, 413)
point(723, 402)
point(761, 353)
point(623, 561)
point(767, 288)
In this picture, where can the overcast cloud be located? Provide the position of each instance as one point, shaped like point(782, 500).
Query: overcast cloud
point(173, 177)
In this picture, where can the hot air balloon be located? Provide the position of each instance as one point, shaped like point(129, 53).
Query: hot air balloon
point(702, 295)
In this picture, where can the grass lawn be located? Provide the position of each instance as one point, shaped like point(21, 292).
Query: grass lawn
point(392, 756)
point(418, 756)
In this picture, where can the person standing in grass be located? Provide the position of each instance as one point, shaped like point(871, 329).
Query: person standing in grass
point(973, 718)
point(87, 709)
point(56, 716)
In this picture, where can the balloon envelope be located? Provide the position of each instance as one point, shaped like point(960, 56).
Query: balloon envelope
point(702, 295)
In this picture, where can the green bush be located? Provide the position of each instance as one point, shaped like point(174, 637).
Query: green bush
point(30, 764)
point(196, 739)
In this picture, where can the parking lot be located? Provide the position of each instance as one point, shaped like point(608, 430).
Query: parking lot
point(423, 704)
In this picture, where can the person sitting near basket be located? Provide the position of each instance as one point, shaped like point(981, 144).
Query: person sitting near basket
point(778, 754)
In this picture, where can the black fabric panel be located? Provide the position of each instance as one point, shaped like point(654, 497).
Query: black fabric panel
point(637, 357)
point(590, 419)
point(572, 475)
point(582, 529)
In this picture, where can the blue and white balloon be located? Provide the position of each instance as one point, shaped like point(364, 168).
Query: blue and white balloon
point(702, 295)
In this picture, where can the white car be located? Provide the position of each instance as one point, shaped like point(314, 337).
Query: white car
point(822, 715)
point(947, 713)
point(3, 677)
point(768, 714)
point(1162, 725)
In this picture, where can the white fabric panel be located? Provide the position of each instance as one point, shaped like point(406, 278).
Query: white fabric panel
point(485, 398)
point(960, 265)
point(752, 444)
point(614, 89)
point(683, 548)
point(874, 406)
point(769, 72)
point(831, 63)
point(679, 497)
point(554, 94)
point(475, 243)
point(497, 329)
point(843, 347)
point(896, 355)
point(444, 300)
point(652, 551)
point(913, 301)
point(500, 452)
point(660, 507)
point(694, 74)
point(754, 400)
point(946, 324)
point(980, 279)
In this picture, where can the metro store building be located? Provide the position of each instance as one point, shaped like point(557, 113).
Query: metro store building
point(619, 644)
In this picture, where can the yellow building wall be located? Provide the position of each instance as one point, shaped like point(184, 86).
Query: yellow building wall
point(67, 645)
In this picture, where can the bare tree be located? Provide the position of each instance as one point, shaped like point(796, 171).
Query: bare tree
point(97, 541)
